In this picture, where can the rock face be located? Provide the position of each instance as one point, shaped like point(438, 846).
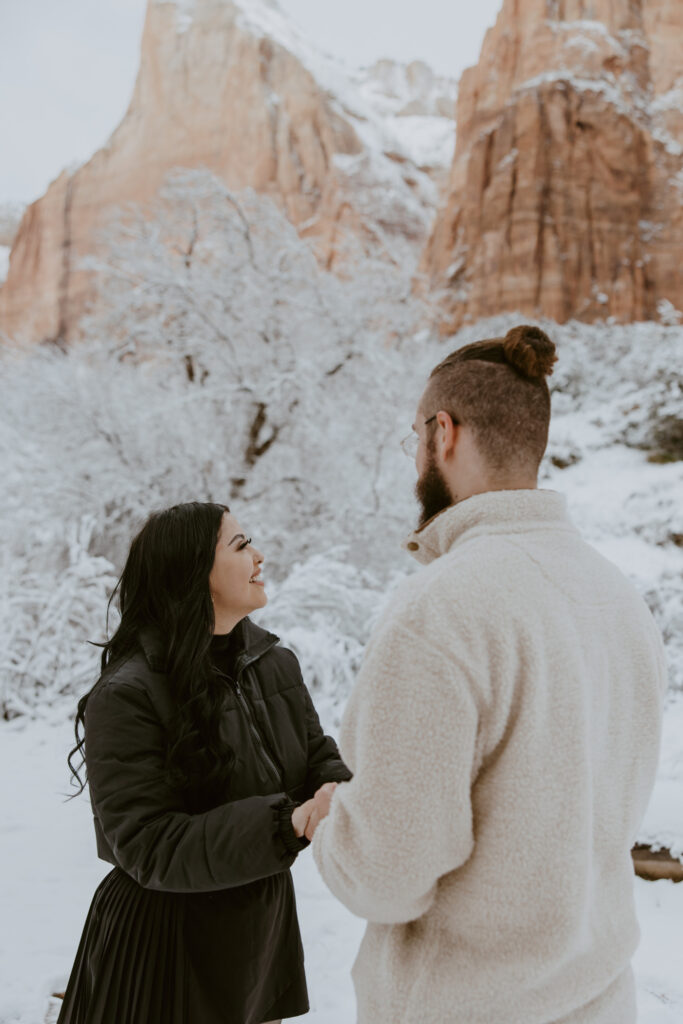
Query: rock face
point(565, 192)
point(230, 85)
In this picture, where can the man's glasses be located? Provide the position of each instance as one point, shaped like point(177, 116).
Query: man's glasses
point(410, 443)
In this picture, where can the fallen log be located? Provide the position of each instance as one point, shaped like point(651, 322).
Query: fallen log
point(654, 865)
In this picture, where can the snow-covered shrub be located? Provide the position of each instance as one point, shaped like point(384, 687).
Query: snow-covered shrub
point(324, 610)
point(292, 377)
point(668, 314)
point(47, 618)
point(654, 419)
point(666, 603)
point(665, 437)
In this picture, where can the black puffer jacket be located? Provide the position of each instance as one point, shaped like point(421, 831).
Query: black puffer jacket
point(282, 758)
point(197, 922)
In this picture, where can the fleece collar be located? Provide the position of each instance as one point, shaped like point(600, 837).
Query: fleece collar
point(491, 512)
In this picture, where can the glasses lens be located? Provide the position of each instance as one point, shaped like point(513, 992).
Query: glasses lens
point(410, 444)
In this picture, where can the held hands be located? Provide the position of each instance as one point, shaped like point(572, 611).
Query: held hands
point(308, 816)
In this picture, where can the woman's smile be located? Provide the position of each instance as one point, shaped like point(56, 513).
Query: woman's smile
point(235, 557)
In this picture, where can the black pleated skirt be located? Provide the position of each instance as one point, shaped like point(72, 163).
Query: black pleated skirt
point(147, 957)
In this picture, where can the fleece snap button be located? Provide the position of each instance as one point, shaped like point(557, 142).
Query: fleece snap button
point(413, 546)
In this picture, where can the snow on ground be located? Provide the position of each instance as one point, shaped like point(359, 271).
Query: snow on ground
point(663, 824)
point(607, 492)
point(49, 871)
point(426, 141)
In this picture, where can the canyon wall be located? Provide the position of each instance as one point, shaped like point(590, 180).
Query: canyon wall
point(565, 193)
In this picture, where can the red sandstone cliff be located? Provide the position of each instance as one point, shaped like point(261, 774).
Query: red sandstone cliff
point(566, 187)
point(230, 85)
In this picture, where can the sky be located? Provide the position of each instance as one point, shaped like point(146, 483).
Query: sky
point(67, 67)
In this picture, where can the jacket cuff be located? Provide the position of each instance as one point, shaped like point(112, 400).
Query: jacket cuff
point(340, 774)
point(289, 837)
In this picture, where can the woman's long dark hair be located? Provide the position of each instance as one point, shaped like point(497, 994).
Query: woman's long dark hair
point(165, 585)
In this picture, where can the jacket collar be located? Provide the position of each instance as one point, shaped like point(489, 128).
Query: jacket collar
point(254, 641)
point(491, 512)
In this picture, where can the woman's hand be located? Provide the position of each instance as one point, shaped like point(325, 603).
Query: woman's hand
point(300, 817)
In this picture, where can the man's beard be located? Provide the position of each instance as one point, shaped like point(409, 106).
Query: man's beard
point(432, 490)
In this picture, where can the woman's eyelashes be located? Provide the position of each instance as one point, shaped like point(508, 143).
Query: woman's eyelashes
point(244, 544)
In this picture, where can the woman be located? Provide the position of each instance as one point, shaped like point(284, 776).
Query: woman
point(203, 751)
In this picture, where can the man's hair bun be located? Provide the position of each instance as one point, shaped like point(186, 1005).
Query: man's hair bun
point(530, 350)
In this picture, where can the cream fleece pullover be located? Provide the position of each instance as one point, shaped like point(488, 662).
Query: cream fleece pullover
point(503, 733)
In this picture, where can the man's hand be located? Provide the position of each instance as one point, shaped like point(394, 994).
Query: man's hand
point(300, 817)
point(321, 807)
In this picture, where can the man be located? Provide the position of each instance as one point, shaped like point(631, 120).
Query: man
point(503, 734)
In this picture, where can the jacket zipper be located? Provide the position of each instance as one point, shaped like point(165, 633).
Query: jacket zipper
point(260, 744)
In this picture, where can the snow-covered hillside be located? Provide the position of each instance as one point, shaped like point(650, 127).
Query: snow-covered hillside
point(404, 114)
point(396, 109)
point(378, 97)
point(417, 109)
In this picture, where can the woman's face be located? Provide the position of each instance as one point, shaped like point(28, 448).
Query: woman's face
point(235, 583)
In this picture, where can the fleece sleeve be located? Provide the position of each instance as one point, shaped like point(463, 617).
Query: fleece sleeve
point(405, 819)
point(155, 842)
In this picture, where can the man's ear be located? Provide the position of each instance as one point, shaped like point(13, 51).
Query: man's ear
point(446, 434)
